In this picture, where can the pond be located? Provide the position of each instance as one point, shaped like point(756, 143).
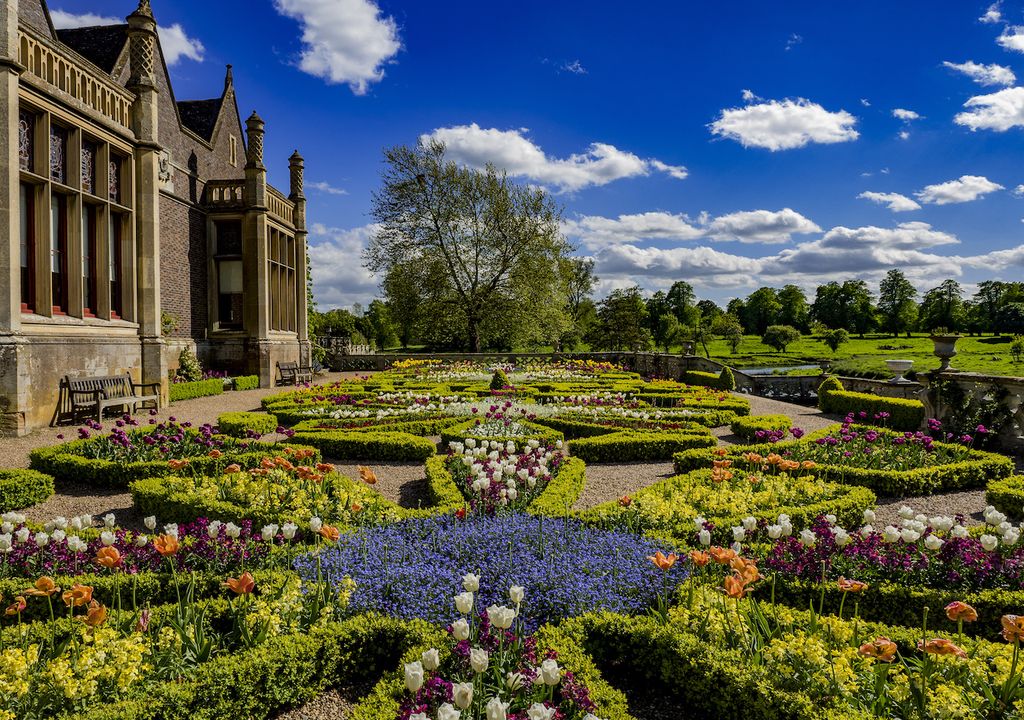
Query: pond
point(779, 370)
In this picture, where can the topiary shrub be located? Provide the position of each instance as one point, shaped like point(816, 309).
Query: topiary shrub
point(499, 381)
point(830, 384)
point(726, 380)
point(239, 424)
point(343, 445)
point(189, 369)
point(899, 413)
point(21, 488)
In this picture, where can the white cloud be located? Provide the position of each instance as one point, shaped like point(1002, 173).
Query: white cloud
point(519, 156)
point(1012, 38)
point(711, 266)
point(326, 187)
point(904, 134)
point(794, 39)
point(984, 74)
point(761, 226)
point(174, 41)
point(749, 96)
point(992, 14)
point(964, 189)
point(997, 111)
point(1019, 191)
point(344, 41)
point(339, 278)
point(784, 125)
point(905, 115)
point(894, 201)
point(865, 102)
point(595, 231)
point(575, 67)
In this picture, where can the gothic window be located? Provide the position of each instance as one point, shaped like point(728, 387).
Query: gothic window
point(281, 276)
point(230, 287)
point(233, 150)
point(26, 141)
point(89, 167)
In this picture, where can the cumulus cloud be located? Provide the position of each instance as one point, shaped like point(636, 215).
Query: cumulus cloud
point(784, 125)
point(344, 41)
point(893, 201)
point(594, 232)
point(174, 41)
point(761, 226)
point(339, 278)
point(711, 266)
point(966, 188)
point(992, 15)
point(575, 67)
point(512, 151)
point(905, 115)
point(984, 74)
point(1018, 191)
point(1012, 38)
point(326, 187)
point(997, 111)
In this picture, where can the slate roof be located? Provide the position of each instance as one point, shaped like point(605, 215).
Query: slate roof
point(101, 44)
point(200, 116)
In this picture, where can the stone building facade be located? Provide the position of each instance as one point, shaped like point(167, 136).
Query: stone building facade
point(133, 224)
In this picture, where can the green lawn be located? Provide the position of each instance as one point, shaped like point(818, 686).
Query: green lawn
point(868, 355)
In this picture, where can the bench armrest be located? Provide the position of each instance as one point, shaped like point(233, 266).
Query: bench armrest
point(145, 385)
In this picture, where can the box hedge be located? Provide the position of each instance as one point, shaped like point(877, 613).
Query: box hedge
point(238, 424)
point(197, 389)
point(904, 415)
point(247, 382)
point(371, 445)
point(20, 488)
point(747, 427)
point(1007, 495)
point(638, 446)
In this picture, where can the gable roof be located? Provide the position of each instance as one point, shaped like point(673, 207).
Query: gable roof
point(100, 45)
point(200, 116)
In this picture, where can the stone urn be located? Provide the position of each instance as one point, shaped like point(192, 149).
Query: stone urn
point(824, 365)
point(687, 348)
point(945, 350)
point(899, 368)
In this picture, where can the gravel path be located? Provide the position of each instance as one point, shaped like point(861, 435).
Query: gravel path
point(806, 418)
point(404, 483)
point(331, 705)
point(610, 482)
point(970, 503)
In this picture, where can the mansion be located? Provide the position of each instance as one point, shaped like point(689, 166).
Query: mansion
point(132, 224)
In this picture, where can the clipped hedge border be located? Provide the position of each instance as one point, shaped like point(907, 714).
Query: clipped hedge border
point(343, 445)
point(638, 446)
point(64, 465)
point(237, 424)
point(197, 389)
point(21, 488)
point(1007, 495)
point(746, 427)
point(685, 400)
point(464, 430)
point(247, 382)
point(576, 427)
point(848, 506)
point(981, 468)
point(904, 415)
point(433, 426)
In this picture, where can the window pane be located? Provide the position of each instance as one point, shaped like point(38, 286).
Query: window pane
point(114, 179)
point(114, 255)
point(89, 167)
point(27, 244)
point(58, 153)
point(26, 141)
point(58, 251)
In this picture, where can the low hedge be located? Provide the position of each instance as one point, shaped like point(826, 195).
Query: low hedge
point(425, 427)
point(747, 427)
point(562, 491)
point(343, 445)
point(441, 487)
point(238, 424)
point(464, 430)
point(638, 446)
point(247, 382)
point(904, 415)
point(574, 426)
point(65, 465)
point(20, 488)
point(1007, 495)
point(197, 389)
point(724, 380)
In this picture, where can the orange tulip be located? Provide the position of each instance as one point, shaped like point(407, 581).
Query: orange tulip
point(243, 585)
point(719, 475)
point(722, 463)
point(940, 646)
point(215, 454)
point(961, 612)
point(720, 555)
point(698, 558)
point(17, 607)
point(808, 465)
point(325, 467)
point(773, 459)
point(166, 545)
point(1013, 627)
point(177, 464)
point(355, 508)
point(663, 561)
point(625, 501)
point(330, 533)
point(852, 585)
point(881, 648)
point(43, 587)
point(232, 469)
point(752, 457)
point(749, 573)
point(95, 615)
point(734, 587)
point(77, 596)
point(266, 463)
point(109, 557)
point(721, 452)
point(367, 475)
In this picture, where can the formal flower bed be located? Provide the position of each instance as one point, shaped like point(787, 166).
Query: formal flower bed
point(566, 568)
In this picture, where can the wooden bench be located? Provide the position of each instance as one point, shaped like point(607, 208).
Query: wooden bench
point(292, 373)
point(93, 395)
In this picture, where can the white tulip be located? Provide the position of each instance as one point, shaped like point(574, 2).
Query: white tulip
point(1011, 537)
point(933, 542)
point(141, 541)
point(749, 523)
point(232, 531)
point(496, 709)
point(462, 693)
point(959, 531)
point(5, 543)
point(989, 542)
point(698, 523)
point(448, 712)
point(22, 535)
point(501, 617)
point(516, 594)
point(514, 681)
point(787, 528)
point(909, 536)
point(413, 676)
point(739, 534)
point(540, 712)
point(109, 520)
point(315, 524)
point(705, 537)
point(512, 494)
point(58, 535)
point(42, 540)
point(6, 527)
point(869, 516)
point(460, 629)
point(269, 532)
point(890, 534)
point(783, 519)
point(774, 531)
point(76, 545)
point(419, 716)
point(60, 522)
point(431, 659)
point(478, 659)
point(171, 529)
point(150, 522)
point(550, 672)
point(808, 538)
point(213, 529)
point(867, 530)
point(288, 530)
point(107, 538)
point(842, 537)
point(464, 602)
point(906, 512)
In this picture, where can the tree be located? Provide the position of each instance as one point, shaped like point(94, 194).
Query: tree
point(834, 338)
point(383, 329)
point(943, 307)
point(621, 322)
point(669, 332)
point(709, 312)
point(795, 310)
point(761, 309)
point(497, 243)
point(780, 336)
point(897, 303)
point(844, 306)
point(680, 300)
point(987, 301)
point(729, 328)
point(402, 294)
point(579, 280)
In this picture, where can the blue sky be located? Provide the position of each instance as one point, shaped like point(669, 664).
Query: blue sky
point(729, 145)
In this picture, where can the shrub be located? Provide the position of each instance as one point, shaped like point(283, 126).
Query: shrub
point(834, 338)
point(562, 491)
point(904, 415)
point(697, 377)
point(197, 389)
point(1007, 495)
point(238, 424)
point(342, 445)
point(829, 385)
point(726, 380)
point(499, 381)
point(637, 446)
point(247, 382)
point(746, 427)
point(22, 488)
point(780, 336)
point(189, 369)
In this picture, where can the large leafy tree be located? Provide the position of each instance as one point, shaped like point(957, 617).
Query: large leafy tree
point(621, 322)
point(897, 303)
point(943, 307)
point(761, 309)
point(846, 306)
point(492, 246)
point(796, 311)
